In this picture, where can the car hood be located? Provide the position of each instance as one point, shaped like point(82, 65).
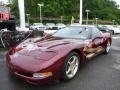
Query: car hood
point(35, 56)
point(45, 49)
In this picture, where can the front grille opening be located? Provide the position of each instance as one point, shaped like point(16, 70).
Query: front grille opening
point(25, 74)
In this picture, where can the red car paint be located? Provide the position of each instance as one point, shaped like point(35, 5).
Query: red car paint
point(4, 14)
point(48, 55)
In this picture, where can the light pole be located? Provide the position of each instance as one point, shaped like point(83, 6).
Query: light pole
point(96, 19)
point(87, 11)
point(72, 20)
point(28, 18)
point(61, 19)
point(22, 13)
point(40, 5)
point(81, 7)
point(113, 22)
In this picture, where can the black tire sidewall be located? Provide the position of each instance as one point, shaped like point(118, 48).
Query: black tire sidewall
point(64, 76)
point(112, 32)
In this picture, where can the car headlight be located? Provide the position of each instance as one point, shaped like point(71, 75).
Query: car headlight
point(42, 75)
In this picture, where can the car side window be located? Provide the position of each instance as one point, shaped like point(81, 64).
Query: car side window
point(85, 33)
point(96, 33)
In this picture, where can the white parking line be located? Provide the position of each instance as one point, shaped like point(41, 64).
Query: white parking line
point(116, 37)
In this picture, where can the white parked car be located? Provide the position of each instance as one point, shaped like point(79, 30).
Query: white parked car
point(37, 26)
point(50, 31)
point(50, 26)
point(75, 24)
point(60, 25)
point(114, 30)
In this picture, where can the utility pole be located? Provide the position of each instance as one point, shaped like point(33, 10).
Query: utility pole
point(61, 19)
point(81, 7)
point(87, 11)
point(28, 18)
point(96, 21)
point(40, 6)
point(22, 13)
point(113, 22)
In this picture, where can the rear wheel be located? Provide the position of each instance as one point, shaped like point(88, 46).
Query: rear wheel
point(108, 47)
point(112, 32)
point(71, 66)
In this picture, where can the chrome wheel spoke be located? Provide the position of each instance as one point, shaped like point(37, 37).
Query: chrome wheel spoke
point(74, 60)
point(72, 66)
point(68, 71)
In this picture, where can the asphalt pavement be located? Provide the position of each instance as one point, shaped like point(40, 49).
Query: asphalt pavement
point(100, 73)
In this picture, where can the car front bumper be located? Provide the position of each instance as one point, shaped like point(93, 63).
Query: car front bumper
point(30, 79)
point(25, 76)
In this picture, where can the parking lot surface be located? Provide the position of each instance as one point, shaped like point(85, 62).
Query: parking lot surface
point(100, 73)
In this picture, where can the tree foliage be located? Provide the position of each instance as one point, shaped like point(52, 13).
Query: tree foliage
point(102, 9)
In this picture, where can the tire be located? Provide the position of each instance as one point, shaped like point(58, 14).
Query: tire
point(108, 46)
point(112, 32)
point(70, 67)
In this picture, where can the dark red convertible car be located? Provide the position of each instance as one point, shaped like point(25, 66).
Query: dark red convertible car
point(57, 56)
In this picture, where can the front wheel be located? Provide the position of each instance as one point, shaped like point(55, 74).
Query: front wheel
point(71, 66)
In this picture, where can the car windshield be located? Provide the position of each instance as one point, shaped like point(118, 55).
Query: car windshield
point(73, 32)
point(4, 9)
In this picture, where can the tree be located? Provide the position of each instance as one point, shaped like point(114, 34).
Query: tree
point(103, 9)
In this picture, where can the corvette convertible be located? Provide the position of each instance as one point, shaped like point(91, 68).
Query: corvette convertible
point(57, 56)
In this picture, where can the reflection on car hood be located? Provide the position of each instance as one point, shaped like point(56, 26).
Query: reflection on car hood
point(43, 50)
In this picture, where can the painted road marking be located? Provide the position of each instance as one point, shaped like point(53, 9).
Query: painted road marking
point(116, 37)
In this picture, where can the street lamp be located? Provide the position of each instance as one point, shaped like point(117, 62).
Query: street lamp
point(113, 22)
point(72, 20)
point(87, 11)
point(61, 19)
point(28, 18)
point(96, 19)
point(81, 7)
point(40, 5)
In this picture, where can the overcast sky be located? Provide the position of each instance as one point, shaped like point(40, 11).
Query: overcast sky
point(118, 1)
point(4, 0)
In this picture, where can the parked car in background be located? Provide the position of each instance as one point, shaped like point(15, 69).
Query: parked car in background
point(60, 25)
point(27, 25)
point(50, 31)
point(101, 28)
point(113, 30)
point(57, 56)
point(75, 24)
point(37, 26)
point(50, 26)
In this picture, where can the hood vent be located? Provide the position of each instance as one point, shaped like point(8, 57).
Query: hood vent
point(57, 45)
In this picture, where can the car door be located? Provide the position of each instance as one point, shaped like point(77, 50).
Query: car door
point(97, 40)
point(89, 49)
